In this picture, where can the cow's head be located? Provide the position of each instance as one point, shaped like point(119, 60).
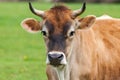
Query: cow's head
point(58, 27)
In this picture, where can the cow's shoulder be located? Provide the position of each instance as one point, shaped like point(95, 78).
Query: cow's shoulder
point(107, 22)
point(107, 30)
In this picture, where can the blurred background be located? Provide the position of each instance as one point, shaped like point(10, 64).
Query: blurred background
point(94, 1)
point(23, 55)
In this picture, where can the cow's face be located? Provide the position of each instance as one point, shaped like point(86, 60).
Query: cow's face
point(58, 28)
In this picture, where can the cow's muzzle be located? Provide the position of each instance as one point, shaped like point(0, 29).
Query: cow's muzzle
point(56, 58)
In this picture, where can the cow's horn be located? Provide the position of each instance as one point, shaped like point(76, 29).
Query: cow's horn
point(36, 12)
point(79, 11)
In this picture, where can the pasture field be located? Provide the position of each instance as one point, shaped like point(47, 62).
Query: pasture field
point(22, 55)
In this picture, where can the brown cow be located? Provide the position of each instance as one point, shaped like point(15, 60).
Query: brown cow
point(78, 48)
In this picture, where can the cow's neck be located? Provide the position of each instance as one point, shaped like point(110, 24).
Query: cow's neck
point(80, 57)
point(63, 73)
point(60, 74)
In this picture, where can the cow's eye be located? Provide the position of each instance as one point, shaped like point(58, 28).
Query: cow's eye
point(44, 33)
point(71, 33)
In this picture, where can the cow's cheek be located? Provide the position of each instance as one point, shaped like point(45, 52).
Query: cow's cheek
point(46, 40)
point(68, 49)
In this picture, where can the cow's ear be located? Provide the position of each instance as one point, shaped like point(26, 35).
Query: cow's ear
point(86, 22)
point(31, 25)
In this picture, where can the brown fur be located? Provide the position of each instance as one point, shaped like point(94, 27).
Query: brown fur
point(98, 54)
point(99, 50)
point(107, 31)
point(58, 16)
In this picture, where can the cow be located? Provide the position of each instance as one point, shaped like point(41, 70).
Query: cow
point(85, 48)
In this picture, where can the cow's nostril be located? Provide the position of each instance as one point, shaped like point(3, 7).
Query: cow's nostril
point(50, 57)
point(60, 57)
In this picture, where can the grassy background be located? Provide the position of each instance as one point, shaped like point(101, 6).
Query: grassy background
point(22, 55)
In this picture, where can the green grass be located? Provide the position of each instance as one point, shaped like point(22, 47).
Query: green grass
point(22, 55)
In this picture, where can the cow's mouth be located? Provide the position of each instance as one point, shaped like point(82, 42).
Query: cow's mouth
point(55, 63)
